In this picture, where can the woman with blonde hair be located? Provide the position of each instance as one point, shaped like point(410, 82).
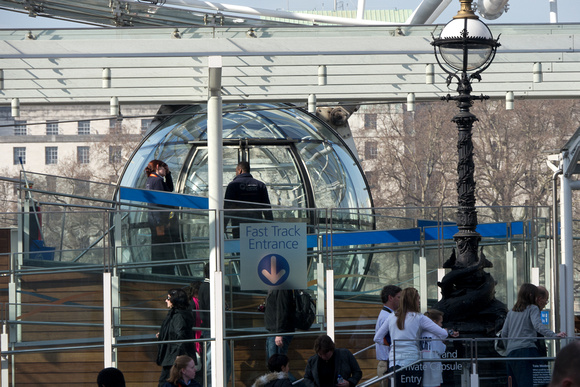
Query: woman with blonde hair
point(405, 327)
point(182, 373)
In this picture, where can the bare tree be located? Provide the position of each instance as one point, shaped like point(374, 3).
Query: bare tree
point(511, 149)
point(112, 151)
point(416, 157)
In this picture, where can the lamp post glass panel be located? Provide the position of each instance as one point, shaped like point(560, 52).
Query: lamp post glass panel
point(467, 48)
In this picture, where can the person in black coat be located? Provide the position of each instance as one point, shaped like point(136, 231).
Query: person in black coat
point(331, 366)
point(279, 318)
point(245, 192)
point(161, 223)
point(178, 325)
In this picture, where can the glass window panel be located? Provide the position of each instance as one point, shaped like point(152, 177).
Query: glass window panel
point(276, 167)
point(371, 150)
point(327, 176)
point(20, 128)
point(115, 126)
point(52, 128)
point(19, 153)
point(83, 155)
point(84, 128)
point(51, 155)
point(370, 121)
point(115, 154)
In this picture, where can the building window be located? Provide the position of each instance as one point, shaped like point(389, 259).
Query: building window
point(84, 128)
point(19, 153)
point(20, 128)
point(115, 126)
point(370, 121)
point(115, 154)
point(371, 150)
point(145, 123)
point(51, 128)
point(51, 155)
point(83, 154)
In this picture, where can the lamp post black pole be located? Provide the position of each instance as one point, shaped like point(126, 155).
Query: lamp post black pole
point(466, 239)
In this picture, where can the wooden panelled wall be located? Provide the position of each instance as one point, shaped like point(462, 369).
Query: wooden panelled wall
point(71, 304)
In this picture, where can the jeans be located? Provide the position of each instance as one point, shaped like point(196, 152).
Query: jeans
point(521, 371)
point(208, 367)
point(272, 348)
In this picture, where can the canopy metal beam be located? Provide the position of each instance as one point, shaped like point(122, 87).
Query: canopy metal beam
point(363, 64)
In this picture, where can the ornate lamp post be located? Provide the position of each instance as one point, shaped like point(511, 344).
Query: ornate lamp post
point(467, 48)
point(468, 301)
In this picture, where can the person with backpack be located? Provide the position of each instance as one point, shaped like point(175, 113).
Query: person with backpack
point(279, 318)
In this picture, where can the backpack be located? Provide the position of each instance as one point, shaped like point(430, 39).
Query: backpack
point(305, 312)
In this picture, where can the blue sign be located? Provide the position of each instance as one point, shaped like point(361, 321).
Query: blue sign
point(545, 315)
point(273, 269)
point(273, 256)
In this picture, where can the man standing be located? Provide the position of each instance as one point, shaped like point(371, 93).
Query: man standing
point(390, 297)
point(246, 192)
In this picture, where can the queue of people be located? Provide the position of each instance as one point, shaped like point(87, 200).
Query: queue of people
point(399, 323)
point(399, 326)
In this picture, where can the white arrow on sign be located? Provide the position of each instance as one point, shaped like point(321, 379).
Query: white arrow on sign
point(272, 275)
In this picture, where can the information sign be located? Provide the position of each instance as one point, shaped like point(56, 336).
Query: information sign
point(273, 256)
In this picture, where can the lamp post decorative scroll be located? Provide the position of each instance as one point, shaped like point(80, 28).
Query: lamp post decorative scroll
point(466, 47)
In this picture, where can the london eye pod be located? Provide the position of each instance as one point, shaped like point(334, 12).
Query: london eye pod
point(304, 162)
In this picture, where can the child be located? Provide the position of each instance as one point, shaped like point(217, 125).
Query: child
point(432, 349)
point(279, 365)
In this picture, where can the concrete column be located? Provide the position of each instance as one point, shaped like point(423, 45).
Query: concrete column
point(216, 205)
point(567, 254)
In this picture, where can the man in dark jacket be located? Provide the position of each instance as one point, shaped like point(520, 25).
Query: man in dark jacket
point(279, 318)
point(331, 366)
point(242, 193)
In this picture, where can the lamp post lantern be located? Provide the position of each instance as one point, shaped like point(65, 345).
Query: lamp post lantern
point(467, 48)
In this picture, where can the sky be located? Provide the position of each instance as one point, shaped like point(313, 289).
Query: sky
point(520, 11)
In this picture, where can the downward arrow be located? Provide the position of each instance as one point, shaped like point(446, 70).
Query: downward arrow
point(272, 275)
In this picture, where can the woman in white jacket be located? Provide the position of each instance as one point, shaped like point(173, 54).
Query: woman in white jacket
point(404, 328)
